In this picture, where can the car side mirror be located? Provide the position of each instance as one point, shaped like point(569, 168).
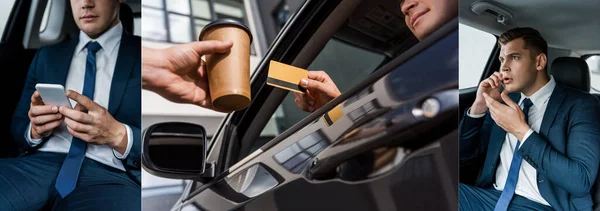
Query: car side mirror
point(176, 150)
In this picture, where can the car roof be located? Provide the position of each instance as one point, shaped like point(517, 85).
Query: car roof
point(571, 25)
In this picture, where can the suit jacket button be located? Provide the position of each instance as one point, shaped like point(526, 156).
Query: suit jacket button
point(136, 163)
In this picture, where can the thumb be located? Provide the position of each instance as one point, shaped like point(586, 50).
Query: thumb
point(210, 46)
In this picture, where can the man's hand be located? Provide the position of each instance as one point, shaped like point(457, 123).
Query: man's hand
point(491, 87)
point(43, 118)
point(320, 90)
point(96, 126)
point(178, 73)
point(509, 117)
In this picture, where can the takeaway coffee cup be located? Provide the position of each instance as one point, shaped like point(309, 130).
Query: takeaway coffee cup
point(229, 73)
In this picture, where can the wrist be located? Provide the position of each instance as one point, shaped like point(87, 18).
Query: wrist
point(120, 139)
point(34, 135)
point(478, 108)
point(521, 131)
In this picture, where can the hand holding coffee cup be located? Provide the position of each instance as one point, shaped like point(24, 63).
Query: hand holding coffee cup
point(229, 73)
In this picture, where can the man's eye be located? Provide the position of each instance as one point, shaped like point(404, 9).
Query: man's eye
point(515, 57)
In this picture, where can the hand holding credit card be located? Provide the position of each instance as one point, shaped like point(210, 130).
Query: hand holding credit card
point(286, 77)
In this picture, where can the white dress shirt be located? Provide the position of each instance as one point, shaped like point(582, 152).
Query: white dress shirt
point(527, 185)
point(106, 59)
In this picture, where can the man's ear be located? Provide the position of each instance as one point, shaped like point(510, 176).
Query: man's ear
point(541, 62)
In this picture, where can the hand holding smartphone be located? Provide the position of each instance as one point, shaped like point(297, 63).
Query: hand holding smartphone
point(53, 94)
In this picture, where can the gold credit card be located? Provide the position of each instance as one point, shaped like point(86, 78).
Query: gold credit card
point(286, 77)
point(333, 115)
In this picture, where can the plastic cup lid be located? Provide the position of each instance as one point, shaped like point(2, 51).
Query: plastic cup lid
point(226, 21)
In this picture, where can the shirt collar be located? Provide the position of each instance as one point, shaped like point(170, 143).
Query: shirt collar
point(540, 96)
point(108, 40)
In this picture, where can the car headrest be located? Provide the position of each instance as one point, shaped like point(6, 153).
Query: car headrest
point(571, 71)
point(126, 17)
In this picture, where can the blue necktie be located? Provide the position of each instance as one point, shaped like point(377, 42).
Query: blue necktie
point(69, 172)
point(513, 173)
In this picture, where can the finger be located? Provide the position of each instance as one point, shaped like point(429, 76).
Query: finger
point(83, 100)
point(77, 126)
point(303, 106)
point(82, 136)
point(493, 115)
point(488, 100)
point(76, 115)
point(318, 76)
point(43, 109)
point(79, 107)
point(494, 80)
point(210, 46)
point(509, 101)
point(499, 76)
point(43, 119)
point(491, 83)
point(36, 99)
point(318, 86)
point(306, 98)
point(47, 127)
point(492, 103)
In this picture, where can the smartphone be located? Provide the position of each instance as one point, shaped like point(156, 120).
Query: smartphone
point(53, 94)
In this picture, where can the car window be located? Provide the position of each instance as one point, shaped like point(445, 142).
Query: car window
point(182, 21)
point(594, 66)
point(475, 47)
point(6, 6)
point(45, 17)
point(345, 63)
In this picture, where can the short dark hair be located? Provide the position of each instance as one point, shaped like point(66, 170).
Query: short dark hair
point(533, 39)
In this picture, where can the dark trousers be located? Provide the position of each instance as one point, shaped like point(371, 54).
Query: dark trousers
point(474, 198)
point(27, 183)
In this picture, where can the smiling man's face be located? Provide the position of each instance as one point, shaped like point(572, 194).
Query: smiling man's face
point(94, 17)
point(423, 17)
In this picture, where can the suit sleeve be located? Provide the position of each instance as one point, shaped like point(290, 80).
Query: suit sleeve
point(133, 159)
point(20, 119)
point(576, 169)
point(474, 134)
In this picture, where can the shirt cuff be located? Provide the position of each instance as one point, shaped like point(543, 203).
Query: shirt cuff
point(32, 142)
point(527, 134)
point(474, 115)
point(129, 144)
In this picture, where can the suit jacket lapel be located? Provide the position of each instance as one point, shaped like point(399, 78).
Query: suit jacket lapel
point(556, 99)
point(60, 67)
point(125, 64)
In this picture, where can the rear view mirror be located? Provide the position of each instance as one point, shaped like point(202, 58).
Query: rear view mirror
point(175, 150)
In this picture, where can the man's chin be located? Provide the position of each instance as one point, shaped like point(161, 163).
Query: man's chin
point(423, 30)
point(91, 31)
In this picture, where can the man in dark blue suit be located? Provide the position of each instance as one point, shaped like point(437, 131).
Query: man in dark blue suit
point(87, 157)
point(541, 142)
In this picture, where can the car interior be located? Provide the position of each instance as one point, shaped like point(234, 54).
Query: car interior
point(28, 28)
point(367, 35)
point(351, 23)
point(571, 44)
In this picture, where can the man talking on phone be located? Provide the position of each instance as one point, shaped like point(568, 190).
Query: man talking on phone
point(540, 138)
point(86, 157)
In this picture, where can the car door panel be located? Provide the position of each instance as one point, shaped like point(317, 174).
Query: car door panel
point(13, 54)
point(286, 160)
